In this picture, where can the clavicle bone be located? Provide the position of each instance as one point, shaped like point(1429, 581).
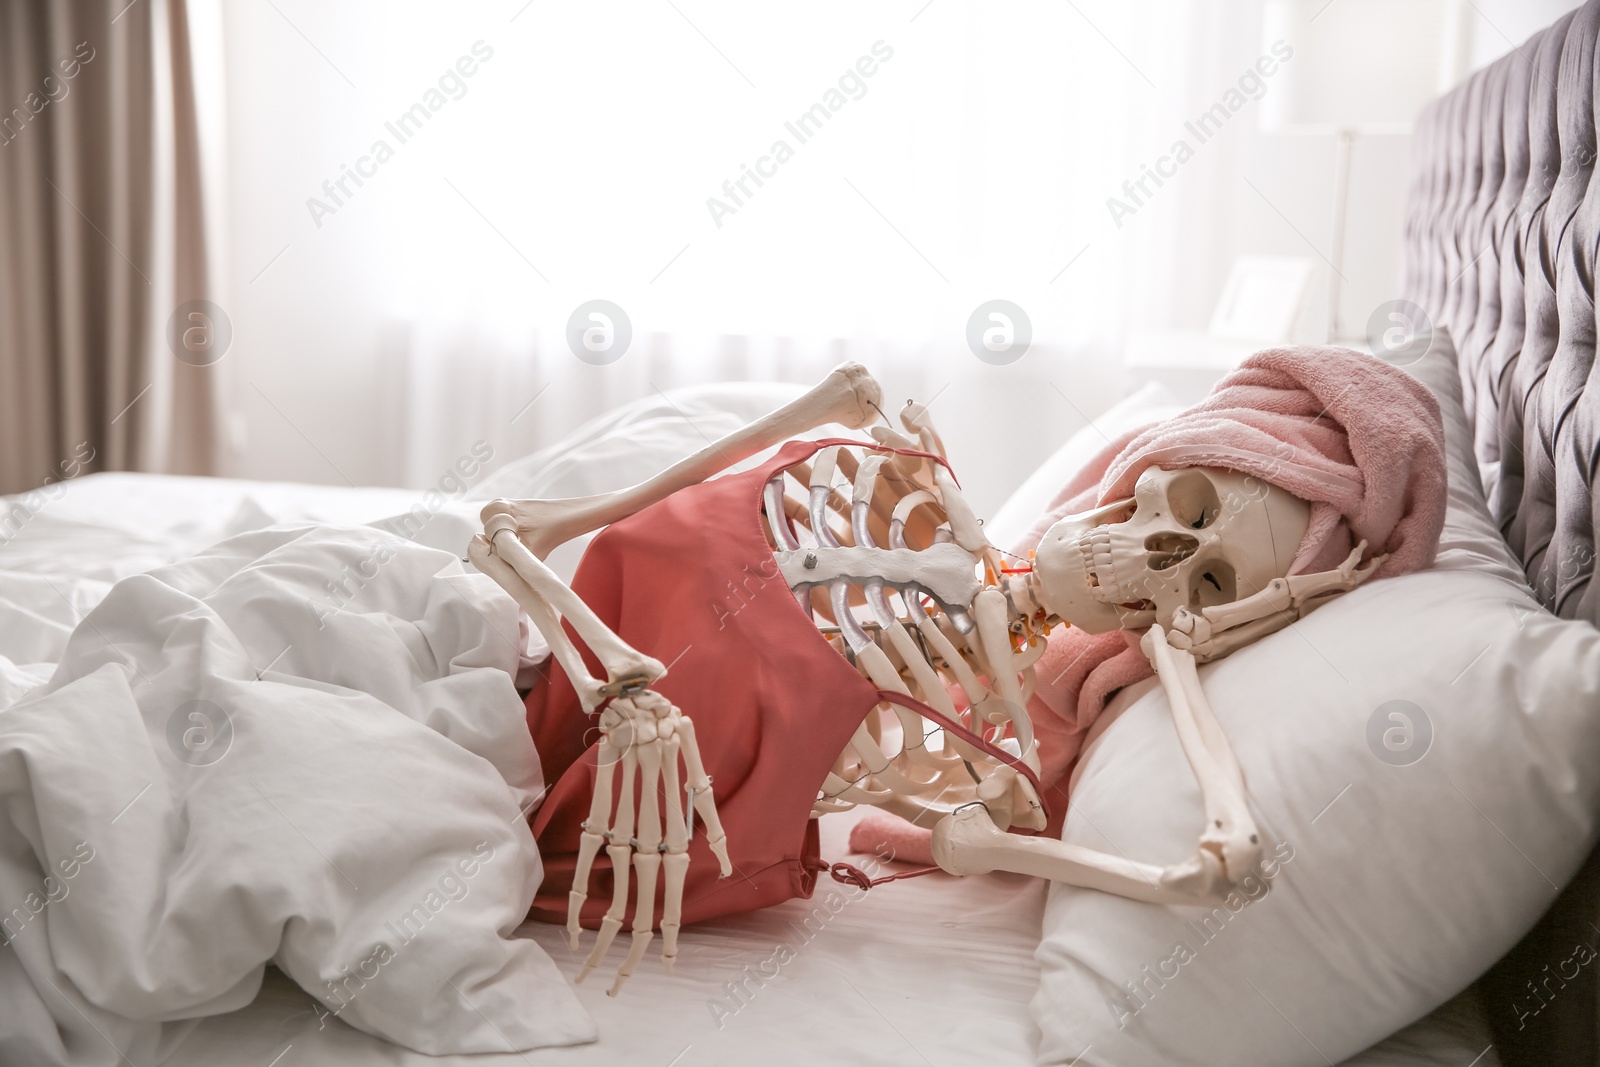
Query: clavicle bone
point(914, 417)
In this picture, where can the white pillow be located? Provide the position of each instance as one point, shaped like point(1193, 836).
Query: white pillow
point(637, 440)
point(1396, 883)
point(1150, 404)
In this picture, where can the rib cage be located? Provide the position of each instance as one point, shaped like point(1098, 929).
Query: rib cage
point(898, 761)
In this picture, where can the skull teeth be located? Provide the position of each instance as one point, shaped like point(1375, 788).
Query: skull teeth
point(1097, 567)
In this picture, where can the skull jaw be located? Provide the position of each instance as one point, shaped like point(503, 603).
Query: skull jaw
point(1066, 587)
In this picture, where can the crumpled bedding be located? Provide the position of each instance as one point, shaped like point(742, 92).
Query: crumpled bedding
point(300, 746)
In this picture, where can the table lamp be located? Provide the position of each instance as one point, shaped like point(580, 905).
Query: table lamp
point(1359, 67)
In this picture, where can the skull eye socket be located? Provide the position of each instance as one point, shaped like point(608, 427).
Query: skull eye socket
point(1214, 585)
point(1193, 499)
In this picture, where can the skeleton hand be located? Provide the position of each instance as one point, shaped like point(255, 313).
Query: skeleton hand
point(1354, 574)
point(1213, 632)
point(1190, 630)
point(647, 733)
point(639, 728)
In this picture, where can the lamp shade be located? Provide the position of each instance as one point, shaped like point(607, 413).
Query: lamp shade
point(1363, 66)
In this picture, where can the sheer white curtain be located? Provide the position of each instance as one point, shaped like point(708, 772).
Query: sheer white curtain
point(952, 153)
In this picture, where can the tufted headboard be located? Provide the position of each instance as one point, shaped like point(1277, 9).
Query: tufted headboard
point(1501, 227)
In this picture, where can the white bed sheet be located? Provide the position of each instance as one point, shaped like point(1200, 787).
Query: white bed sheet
point(106, 526)
point(931, 970)
point(934, 970)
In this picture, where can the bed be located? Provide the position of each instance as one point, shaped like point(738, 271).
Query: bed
point(935, 970)
point(1500, 238)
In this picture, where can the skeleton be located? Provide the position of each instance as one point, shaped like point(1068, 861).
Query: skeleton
point(1198, 559)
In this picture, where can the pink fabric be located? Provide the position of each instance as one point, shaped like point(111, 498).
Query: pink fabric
point(908, 842)
point(773, 701)
point(1359, 439)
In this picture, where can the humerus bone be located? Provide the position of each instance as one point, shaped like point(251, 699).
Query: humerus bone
point(848, 396)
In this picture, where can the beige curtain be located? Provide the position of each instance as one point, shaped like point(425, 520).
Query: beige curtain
point(108, 192)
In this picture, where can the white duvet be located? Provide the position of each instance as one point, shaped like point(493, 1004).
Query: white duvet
point(301, 746)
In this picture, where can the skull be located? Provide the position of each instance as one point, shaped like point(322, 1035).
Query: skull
point(1190, 538)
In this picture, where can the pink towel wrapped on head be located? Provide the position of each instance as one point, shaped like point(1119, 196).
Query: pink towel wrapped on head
point(1360, 440)
point(1357, 438)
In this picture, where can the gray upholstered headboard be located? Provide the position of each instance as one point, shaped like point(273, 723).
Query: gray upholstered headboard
point(1501, 227)
point(1501, 230)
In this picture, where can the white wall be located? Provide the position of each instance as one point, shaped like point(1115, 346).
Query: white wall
point(1296, 174)
point(1497, 26)
point(313, 374)
point(315, 362)
point(305, 366)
